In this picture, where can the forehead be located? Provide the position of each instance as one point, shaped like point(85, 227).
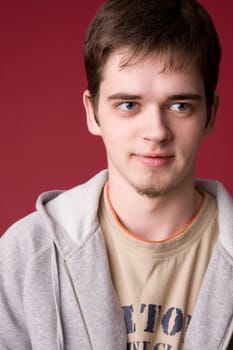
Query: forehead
point(169, 59)
point(144, 70)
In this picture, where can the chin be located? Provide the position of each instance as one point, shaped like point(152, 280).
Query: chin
point(159, 188)
point(153, 191)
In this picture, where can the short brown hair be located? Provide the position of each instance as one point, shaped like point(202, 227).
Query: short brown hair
point(181, 30)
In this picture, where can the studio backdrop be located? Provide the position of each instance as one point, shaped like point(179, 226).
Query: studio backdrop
point(44, 142)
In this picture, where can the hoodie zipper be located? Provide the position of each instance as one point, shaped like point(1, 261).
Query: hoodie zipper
point(78, 304)
point(56, 296)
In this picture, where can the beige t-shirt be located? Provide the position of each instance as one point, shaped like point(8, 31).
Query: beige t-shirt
point(157, 283)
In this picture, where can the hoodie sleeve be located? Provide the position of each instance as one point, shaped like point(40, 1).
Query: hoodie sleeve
point(13, 266)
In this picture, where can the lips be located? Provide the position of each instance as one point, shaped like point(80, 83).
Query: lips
point(155, 160)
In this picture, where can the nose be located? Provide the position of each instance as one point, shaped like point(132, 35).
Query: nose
point(155, 126)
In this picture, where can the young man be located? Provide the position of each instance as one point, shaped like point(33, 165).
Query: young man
point(141, 256)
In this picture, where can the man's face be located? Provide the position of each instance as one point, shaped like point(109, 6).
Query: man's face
point(151, 121)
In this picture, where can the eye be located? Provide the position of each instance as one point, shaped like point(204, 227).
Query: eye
point(180, 107)
point(128, 106)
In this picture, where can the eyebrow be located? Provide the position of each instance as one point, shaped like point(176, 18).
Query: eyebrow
point(186, 96)
point(182, 96)
point(124, 96)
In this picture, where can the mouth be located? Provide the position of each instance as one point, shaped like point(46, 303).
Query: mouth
point(154, 160)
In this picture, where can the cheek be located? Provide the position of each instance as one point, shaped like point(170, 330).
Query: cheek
point(116, 132)
point(193, 144)
point(190, 140)
point(112, 138)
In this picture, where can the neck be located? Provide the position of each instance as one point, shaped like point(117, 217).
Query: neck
point(154, 219)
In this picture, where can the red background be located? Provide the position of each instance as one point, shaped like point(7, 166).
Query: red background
point(44, 141)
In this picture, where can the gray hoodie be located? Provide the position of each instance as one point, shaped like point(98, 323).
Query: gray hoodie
point(56, 291)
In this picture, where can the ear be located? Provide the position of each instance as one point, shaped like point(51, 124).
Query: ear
point(209, 127)
point(92, 123)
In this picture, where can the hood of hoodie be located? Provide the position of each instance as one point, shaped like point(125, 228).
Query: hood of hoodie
point(225, 211)
point(72, 214)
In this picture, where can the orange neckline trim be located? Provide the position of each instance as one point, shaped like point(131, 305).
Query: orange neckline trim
point(176, 234)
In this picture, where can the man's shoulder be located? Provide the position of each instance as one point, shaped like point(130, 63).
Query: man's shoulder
point(39, 230)
point(26, 237)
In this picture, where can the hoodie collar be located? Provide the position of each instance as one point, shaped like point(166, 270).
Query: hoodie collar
point(72, 215)
point(225, 211)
